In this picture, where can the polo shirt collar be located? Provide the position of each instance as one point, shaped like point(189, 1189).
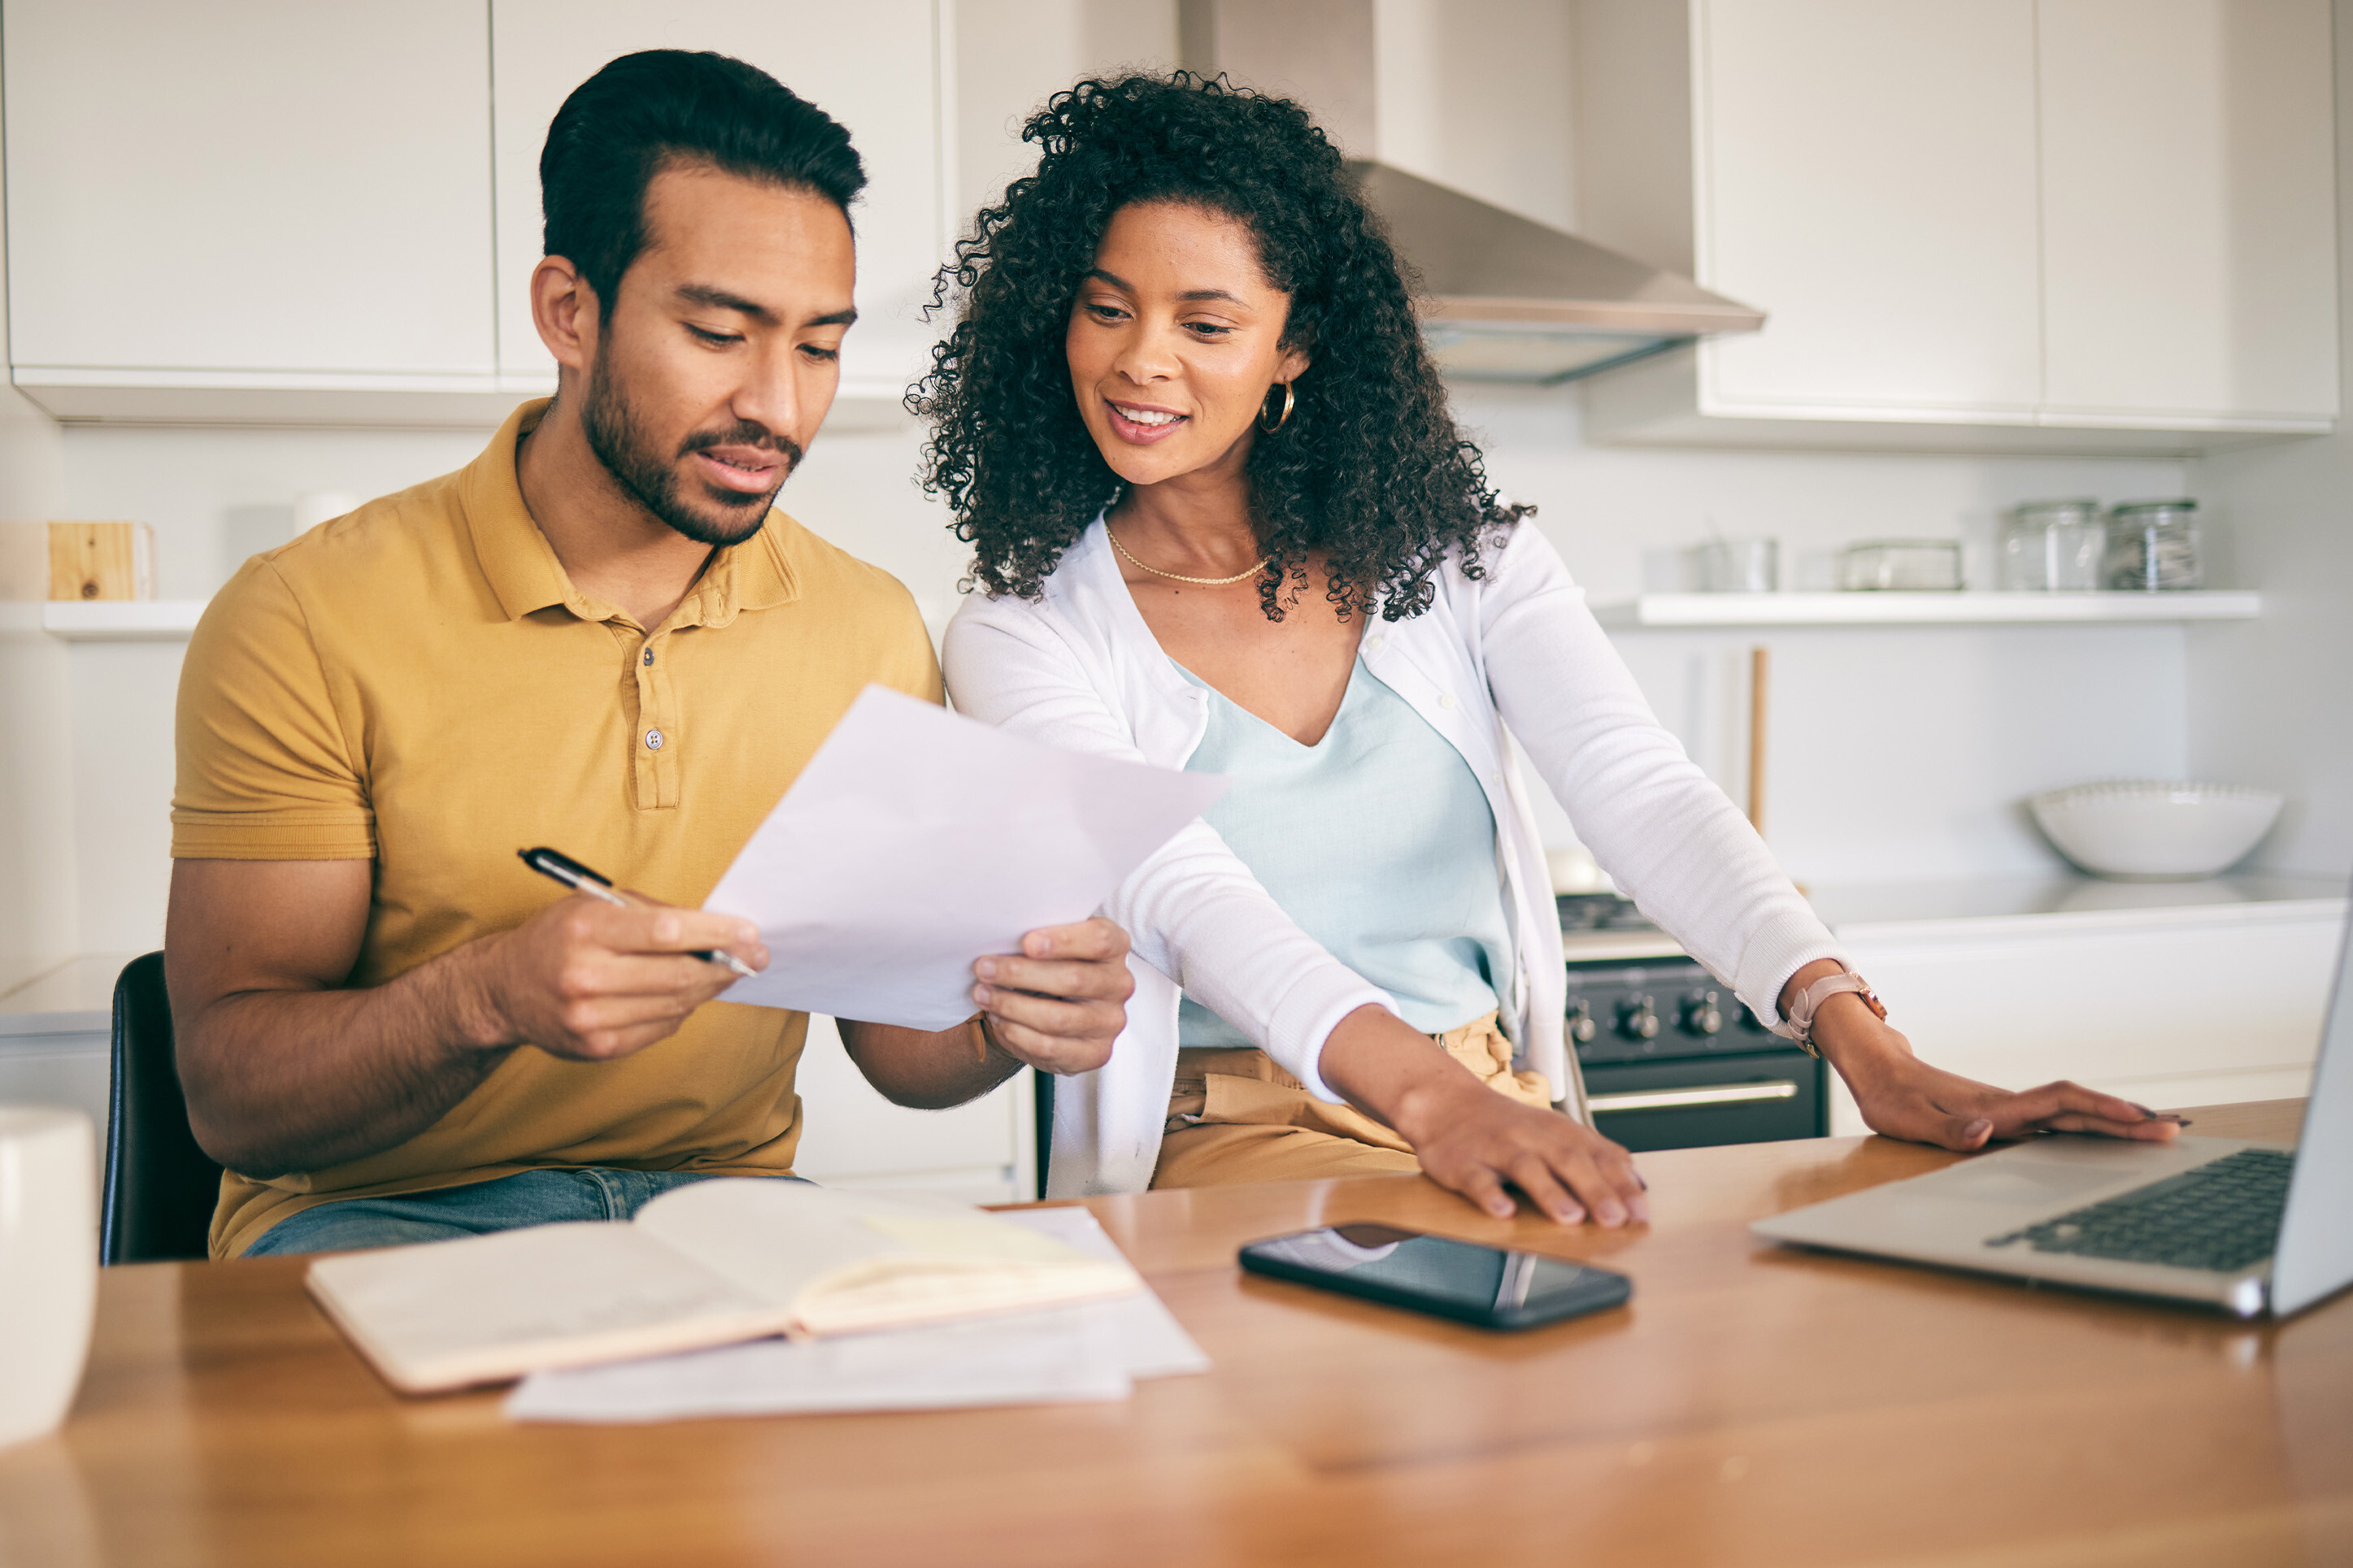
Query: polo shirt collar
point(524, 574)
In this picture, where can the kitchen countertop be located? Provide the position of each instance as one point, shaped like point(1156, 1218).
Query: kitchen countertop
point(1929, 909)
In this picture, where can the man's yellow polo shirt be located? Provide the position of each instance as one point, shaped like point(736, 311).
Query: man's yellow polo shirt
point(419, 683)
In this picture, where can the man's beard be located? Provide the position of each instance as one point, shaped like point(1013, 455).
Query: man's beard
point(625, 448)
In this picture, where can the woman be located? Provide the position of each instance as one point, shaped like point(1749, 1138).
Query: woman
point(1223, 520)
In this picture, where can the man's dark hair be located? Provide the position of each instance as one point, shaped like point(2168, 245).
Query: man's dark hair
point(1369, 469)
point(646, 111)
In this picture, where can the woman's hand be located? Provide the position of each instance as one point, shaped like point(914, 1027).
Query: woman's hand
point(1904, 1097)
point(1474, 1140)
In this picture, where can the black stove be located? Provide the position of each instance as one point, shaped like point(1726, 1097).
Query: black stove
point(1673, 1060)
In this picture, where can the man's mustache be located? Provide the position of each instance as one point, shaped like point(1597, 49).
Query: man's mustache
point(744, 435)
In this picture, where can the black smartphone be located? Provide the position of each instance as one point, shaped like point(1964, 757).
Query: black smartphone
point(1460, 1280)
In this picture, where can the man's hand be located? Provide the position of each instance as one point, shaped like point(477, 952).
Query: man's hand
point(1057, 1007)
point(1474, 1140)
point(590, 980)
point(1062, 1000)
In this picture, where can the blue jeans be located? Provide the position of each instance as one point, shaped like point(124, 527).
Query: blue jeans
point(478, 1208)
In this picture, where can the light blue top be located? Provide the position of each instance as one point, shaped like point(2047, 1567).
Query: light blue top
point(1376, 840)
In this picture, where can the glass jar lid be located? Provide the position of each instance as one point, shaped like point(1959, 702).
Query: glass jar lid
point(2135, 507)
point(2079, 509)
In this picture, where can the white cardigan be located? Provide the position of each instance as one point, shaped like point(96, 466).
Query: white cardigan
point(1079, 668)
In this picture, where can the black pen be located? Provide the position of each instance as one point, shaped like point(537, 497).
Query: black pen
point(562, 868)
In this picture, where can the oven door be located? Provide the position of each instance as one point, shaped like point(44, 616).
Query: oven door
point(1759, 1097)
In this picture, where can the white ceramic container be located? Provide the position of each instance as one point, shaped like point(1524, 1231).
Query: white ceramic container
point(48, 1263)
point(2151, 830)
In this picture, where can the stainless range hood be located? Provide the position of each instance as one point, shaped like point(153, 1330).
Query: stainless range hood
point(1510, 298)
point(1513, 300)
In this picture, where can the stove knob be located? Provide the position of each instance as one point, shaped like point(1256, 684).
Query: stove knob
point(1581, 1026)
point(1702, 1016)
point(1637, 1021)
point(1751, 1022)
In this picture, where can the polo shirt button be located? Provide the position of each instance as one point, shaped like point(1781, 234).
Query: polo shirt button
point(1446, 700)
point(653, 740)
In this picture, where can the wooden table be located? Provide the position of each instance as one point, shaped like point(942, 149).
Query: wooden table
point(1751, 1406)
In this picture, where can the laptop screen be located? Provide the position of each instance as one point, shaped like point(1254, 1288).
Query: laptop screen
point(2316, 1241)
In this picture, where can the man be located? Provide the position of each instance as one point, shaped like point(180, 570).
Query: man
point(598, 637)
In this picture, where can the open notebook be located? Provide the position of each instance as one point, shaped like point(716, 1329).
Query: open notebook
point(704, 1265)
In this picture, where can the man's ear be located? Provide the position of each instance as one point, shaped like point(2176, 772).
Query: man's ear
point(563, 309)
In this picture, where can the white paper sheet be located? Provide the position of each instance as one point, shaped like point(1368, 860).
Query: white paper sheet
point(1152, 1342)
point(1060, 1355)
point(917, 840)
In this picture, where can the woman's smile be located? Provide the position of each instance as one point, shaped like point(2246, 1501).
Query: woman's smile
point(1140, 425)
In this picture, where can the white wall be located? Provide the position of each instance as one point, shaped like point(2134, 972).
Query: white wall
point(1897, 754)
point(2268, 702)
point(38, 927)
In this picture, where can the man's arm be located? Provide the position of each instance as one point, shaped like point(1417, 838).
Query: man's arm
point(1057, 1007)
point(286, 1072)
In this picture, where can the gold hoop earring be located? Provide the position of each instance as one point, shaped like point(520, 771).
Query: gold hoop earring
point(1288, 403)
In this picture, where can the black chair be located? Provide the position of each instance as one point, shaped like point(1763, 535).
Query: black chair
point(161, 1189)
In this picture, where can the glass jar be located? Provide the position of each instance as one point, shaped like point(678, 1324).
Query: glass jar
point(1737, 566)
point(2152, 546)
point(1901, 565)
point(2053, 546)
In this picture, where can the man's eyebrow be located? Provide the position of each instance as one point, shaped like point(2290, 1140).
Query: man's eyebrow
point(721, 300)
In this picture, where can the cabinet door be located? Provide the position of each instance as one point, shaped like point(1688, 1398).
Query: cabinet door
point(872, 66)
point(1866, 174)
point(276, 186)
point(2188, 210)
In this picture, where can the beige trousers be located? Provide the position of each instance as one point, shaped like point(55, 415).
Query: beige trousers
point(1235, 1116)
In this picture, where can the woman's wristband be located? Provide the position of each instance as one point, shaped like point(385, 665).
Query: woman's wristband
point(1798, 1024)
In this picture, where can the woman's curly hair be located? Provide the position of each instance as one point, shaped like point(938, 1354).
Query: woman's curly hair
point(1369, 467)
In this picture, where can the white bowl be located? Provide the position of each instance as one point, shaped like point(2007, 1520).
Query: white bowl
point(2147, 830)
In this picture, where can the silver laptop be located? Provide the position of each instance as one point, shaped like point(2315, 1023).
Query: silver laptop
point(2249, 1227)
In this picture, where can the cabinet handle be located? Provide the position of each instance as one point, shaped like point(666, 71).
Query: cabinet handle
point(1679, 1098)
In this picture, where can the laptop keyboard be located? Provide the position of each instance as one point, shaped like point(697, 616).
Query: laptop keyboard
point(2224, 1216)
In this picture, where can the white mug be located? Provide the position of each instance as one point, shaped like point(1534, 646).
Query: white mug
point(48, 1263)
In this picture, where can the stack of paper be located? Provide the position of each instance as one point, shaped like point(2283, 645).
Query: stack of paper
point(1065, 1355)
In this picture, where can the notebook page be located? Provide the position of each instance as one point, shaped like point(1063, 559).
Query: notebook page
point(447, 1313)
point(844, 1260)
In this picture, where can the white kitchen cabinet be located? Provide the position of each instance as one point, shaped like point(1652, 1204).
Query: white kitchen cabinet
point(1868, 177)
point(873, 66)
point(254, 209)
point(981, 1152)
point(2188, 211)
point(2198, 1005)
point(2090, 226)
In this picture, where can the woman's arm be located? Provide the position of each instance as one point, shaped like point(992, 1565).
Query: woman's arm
point(1193, 910)
point(1197, 914)
point(1670, 838)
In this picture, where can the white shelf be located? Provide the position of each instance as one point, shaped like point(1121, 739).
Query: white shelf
point(1925, 609)
point(120, 620)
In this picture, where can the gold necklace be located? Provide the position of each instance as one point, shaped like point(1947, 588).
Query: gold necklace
point(1179, 577)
